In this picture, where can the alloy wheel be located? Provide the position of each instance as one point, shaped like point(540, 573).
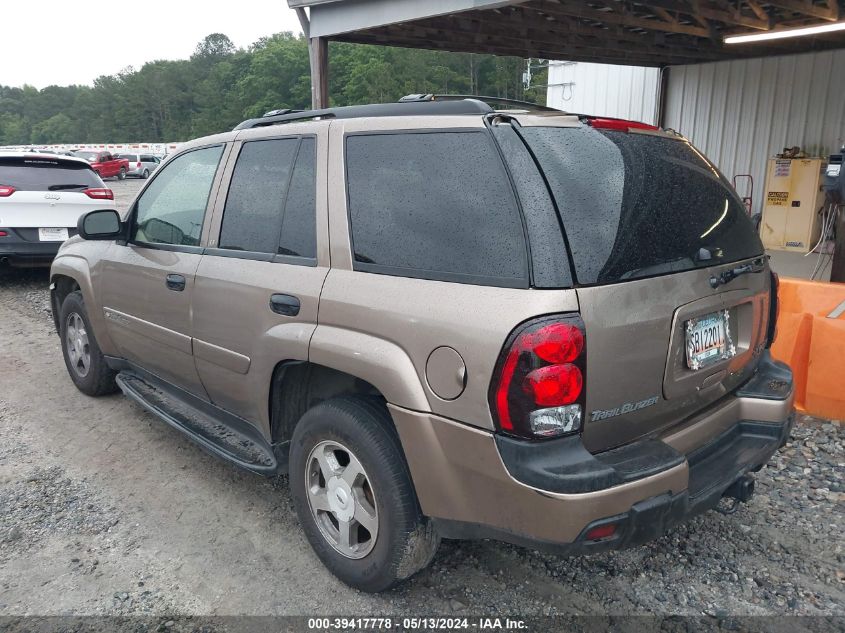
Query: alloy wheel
point(78, 348)
point(341, 499)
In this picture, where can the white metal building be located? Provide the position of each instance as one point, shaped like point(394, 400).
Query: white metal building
point(625, 92)
point(740, 113)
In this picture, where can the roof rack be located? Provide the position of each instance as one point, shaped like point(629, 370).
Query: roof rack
point(462, 105)
point(492, 101)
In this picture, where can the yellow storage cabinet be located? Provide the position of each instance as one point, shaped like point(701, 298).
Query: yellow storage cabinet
point(791, 204)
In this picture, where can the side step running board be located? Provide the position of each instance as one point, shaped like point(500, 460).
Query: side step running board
point(223, 435)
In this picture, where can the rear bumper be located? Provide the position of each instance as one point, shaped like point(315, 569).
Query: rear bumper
point(475, 484)
point(21, 247)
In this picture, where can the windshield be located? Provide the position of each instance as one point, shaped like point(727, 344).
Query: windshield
point(640, 205)
point(46, 174)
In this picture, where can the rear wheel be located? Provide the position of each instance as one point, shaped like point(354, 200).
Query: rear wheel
point(354, 496)
point(122, 174)
point(84, 361)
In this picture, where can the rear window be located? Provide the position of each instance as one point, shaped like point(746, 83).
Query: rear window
point(638, 205)
point(87, 155)
point(46, 174)
point(434, 205)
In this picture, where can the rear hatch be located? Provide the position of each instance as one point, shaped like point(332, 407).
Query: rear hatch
point(651, 226)
point(48, 192)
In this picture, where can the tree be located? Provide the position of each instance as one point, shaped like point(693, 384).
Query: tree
point(213, 47)
point(59, 128)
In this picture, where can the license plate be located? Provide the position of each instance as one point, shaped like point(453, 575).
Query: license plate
point(52, 235)
point(708, 339)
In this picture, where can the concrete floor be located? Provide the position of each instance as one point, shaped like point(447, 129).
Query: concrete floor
point(790, 264)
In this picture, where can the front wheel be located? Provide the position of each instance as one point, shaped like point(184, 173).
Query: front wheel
point(122, 174)
point(354, 496)
point(146, 174)
point(84, 361)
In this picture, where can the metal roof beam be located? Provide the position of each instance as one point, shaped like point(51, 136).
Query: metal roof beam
point(581, 10)
point(829, 12)
point(534, 33)
point(333, 18)
point(704, 12)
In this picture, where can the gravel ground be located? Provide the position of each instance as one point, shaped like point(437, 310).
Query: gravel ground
point(105, 510)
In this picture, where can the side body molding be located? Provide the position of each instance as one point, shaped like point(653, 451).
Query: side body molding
point(383, 364)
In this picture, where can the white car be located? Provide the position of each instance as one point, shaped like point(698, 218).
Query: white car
point(41, 199)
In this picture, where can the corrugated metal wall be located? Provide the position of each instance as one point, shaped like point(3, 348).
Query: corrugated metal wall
point(741, 113)
point(628, 92)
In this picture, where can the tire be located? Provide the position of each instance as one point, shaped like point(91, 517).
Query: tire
point(404, 541)
point(146, 174)
point(85, 363)
point(122, 174)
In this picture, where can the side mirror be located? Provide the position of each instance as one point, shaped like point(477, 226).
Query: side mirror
point(102, 224)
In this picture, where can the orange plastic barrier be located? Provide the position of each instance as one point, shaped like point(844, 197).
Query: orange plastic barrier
point(811, 339)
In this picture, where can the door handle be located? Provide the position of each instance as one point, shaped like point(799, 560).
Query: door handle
point(175, 282)
point(286, 305)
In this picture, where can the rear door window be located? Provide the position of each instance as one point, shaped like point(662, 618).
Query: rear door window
point(270, 205)
point(435, 205)
point(639, 205)
point(299, 231)
point(46, 174)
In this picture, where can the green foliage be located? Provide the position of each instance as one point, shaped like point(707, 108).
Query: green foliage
point(220, 85)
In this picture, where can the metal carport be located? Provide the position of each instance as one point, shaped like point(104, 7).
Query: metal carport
point(648, 33)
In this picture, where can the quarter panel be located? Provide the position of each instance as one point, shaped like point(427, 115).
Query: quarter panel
point(394, 323)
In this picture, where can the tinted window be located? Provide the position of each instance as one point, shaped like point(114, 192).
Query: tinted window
point(147, 159)
point(172, 208)
point(252, 217)
point(637, 205)
point(46, 174)
point(299, 224)
point(436, 205)
point(130, 157)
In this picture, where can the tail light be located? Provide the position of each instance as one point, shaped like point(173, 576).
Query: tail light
point(774, 310)
point(3, 233)
point(138, 164)
point(99, 194)
point(6, 191)
point(538, 385)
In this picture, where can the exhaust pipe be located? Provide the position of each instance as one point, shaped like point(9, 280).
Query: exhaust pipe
point(742, 489)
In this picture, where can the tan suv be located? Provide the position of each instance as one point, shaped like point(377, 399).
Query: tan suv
point(442, 320)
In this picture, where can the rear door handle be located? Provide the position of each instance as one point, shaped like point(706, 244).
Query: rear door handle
point(286, 305)
point(175, 282)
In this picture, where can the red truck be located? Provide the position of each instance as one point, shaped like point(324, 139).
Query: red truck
point(104, 163)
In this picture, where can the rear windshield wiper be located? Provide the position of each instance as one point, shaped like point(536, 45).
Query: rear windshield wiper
point(68, 186)
point(729, 275)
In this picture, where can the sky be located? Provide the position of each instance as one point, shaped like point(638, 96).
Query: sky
point(56, 42)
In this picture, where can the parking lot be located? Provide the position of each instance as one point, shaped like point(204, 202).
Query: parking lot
point(106, 510)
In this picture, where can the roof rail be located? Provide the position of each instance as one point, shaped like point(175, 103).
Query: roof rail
point(415, 98)
point(467, 105)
